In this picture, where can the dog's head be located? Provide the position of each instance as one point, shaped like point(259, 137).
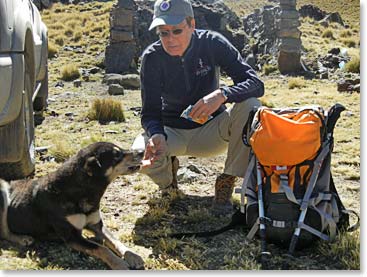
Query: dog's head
point(104, 159)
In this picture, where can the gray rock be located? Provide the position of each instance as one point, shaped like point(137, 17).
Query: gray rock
point(333, 17)
point(194, 168)
point(130, 81)
point(186, 175)
point(115, 89)
point(94, 70)
point(112, 78)
point(77, 83)
point(119, 57)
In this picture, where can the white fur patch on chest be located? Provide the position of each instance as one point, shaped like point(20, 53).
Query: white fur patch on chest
point(79, 221)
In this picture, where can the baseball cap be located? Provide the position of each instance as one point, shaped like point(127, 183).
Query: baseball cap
point(170, 12)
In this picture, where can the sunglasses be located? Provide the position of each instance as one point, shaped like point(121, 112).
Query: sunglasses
point(175, 32)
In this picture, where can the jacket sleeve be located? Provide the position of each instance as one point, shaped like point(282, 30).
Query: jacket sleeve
point(151, 114)
point(246, 83)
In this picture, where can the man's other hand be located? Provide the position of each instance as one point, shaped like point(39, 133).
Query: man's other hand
point(208, 104)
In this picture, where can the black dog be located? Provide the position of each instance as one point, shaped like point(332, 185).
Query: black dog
point(61, 204)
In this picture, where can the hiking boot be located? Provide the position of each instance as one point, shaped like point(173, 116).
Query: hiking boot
point(173, 186)
point(224, 186)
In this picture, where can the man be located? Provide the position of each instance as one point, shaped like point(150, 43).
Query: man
point(182, 69)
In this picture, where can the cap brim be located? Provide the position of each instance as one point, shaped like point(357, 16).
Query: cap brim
point(166, 20)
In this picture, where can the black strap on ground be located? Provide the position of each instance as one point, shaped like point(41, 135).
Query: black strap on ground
point(237, 219)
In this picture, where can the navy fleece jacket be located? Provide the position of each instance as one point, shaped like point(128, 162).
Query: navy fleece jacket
point(170, 83)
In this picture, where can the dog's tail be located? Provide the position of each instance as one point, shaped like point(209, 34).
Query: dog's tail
point(4, 195)
point(4, 203)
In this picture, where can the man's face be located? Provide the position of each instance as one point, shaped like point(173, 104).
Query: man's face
point(175, 39)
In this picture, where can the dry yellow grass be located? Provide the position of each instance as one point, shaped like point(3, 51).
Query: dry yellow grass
point(69, 72)
point(106, 110)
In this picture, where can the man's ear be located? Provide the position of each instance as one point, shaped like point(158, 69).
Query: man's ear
point(193, 23)
point(92, 166)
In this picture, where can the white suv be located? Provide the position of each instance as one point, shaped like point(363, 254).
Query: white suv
point(23, 84)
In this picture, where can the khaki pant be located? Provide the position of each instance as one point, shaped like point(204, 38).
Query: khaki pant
point(222, 133)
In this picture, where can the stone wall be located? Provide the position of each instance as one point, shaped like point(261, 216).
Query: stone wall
point(120, 51)
point(289, 57)
point(130, 21)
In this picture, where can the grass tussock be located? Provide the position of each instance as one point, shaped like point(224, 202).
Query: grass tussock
point(106, 110)
point(60, 40)
point(328, 33)
point(269, 68)
point(52, 50)
point(69, 72)
point(345, 34)
point(351, 43)
point(353, 65)
point(62, 149)
point(296, 82)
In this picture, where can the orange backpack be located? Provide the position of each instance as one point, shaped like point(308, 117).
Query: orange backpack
point(290, 196)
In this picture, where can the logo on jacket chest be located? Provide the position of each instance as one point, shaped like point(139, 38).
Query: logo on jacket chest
point(202, 69)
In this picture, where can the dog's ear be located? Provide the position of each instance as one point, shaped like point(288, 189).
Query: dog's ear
point(92, 166)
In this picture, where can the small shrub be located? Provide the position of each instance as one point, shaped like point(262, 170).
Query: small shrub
point(328, 33)
point(349, 43)
point(97, 29)
point(77, 36)
point(61, 149)
point(353, 65)
point(269, 68)
point(58, 26)
point(345, 34)
point(52, 50)
point(59, 40)
point(73, 23)
point(69, 72)
point(105, 110)
point(296, 82)
point(69, 32)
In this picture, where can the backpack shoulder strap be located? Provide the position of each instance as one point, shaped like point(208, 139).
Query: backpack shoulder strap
point(343, 223)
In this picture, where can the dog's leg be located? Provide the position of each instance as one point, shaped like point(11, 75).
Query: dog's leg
point(106, 238)
point(5, 233)
point(100, 252)
point(75, 240)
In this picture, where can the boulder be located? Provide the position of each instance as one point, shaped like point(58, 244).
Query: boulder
point(115, 89)
point(130, 81)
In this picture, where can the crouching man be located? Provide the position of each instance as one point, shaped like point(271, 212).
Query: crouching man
point(181, 69)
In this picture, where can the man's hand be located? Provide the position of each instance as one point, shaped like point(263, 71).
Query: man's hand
point(155, 148)
point(208, 104)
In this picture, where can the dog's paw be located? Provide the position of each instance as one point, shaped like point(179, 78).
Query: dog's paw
point(134, 260)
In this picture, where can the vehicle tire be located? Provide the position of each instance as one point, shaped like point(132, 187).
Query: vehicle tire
point(40, 103)
point(26, 165)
